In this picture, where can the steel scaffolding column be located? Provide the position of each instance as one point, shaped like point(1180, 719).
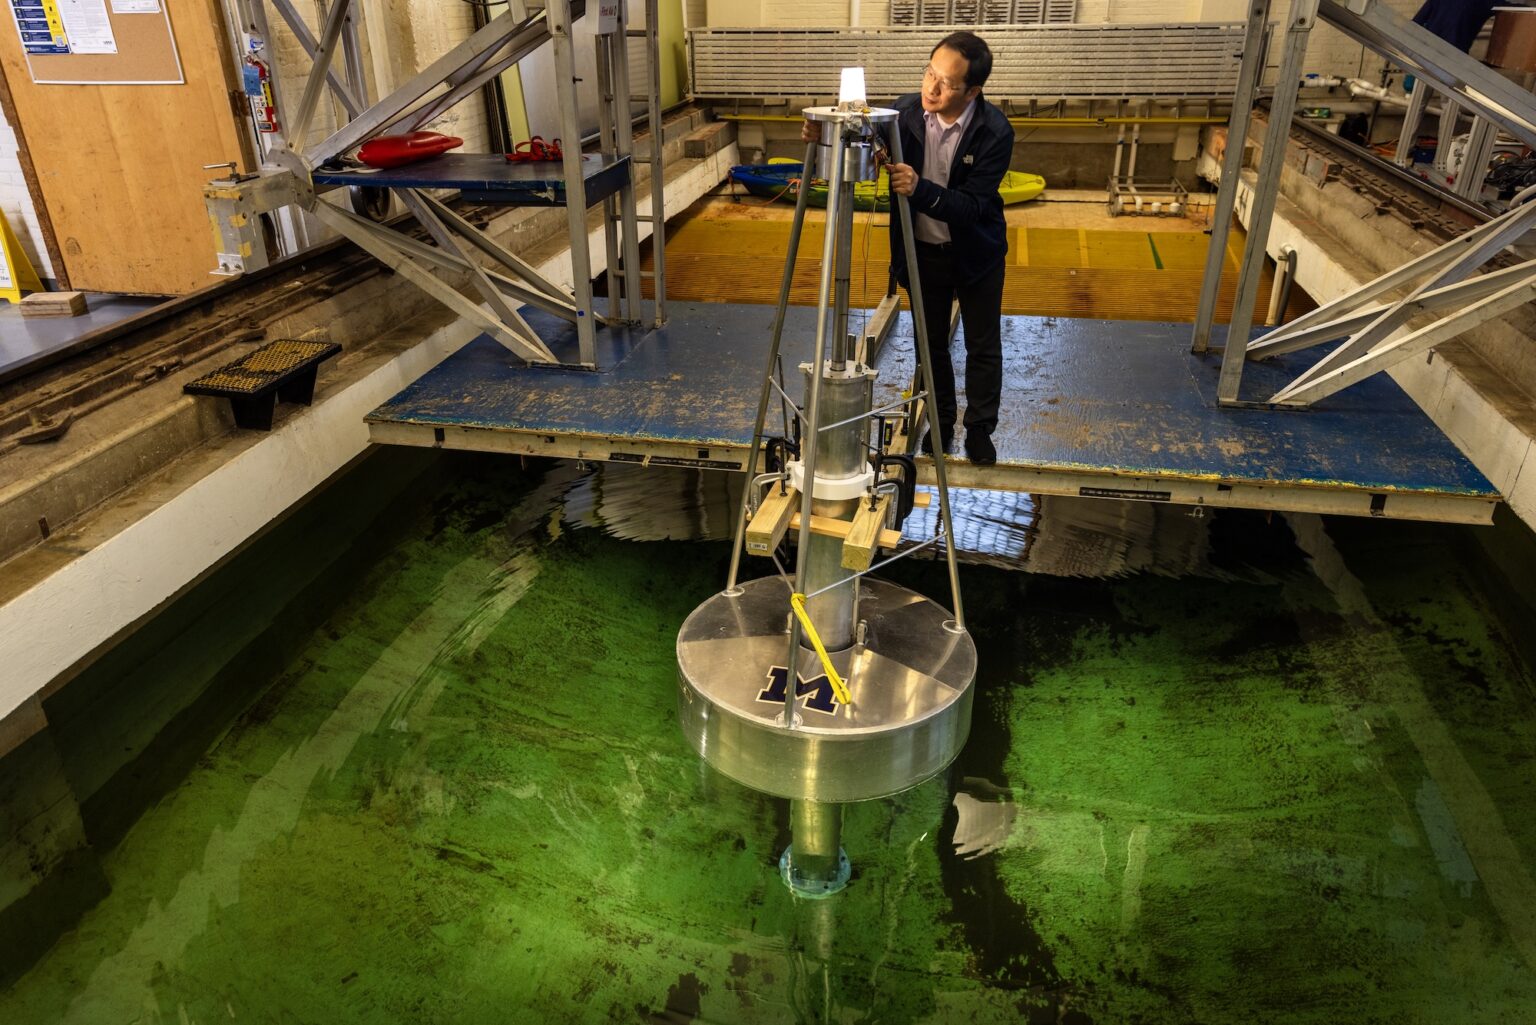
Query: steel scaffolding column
point(1266, 189)
point(1248, 77)
point(658, 141)
point(576, 194)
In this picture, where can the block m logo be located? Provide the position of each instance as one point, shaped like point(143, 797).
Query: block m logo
point(819, 689)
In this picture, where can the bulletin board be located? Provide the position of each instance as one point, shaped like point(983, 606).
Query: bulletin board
point(98, 42)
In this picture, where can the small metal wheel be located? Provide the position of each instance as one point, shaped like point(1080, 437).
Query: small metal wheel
point(369, 201)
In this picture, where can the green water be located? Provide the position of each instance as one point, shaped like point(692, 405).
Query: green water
point(1281, 771)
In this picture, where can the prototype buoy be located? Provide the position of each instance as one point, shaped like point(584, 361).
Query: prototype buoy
point(831, 686)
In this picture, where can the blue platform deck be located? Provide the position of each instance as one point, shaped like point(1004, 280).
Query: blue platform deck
point(1097, 408)
point(490, 178)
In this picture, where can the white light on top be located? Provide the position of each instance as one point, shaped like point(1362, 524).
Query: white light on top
point(852, 88)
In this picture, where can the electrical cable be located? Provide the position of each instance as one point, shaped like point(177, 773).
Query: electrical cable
point(1513, 176)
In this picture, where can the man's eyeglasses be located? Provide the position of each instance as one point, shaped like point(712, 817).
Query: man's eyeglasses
point(930, 75)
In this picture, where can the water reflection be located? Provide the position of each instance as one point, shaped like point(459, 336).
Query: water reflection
point(1045, 534)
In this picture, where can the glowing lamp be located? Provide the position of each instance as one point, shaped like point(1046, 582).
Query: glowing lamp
point(852, 88)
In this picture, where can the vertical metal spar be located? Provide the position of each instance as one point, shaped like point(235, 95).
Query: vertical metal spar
point(814, 864)
point(813, 404)
point(841, 426)
point(925, 364)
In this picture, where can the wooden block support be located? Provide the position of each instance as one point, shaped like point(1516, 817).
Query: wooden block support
point(827, 526)
point(53, 304)
point(771, 520)
point(862, 542)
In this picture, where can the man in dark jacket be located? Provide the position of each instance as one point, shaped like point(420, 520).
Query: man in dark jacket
point(1456, 21)
point(957, 148)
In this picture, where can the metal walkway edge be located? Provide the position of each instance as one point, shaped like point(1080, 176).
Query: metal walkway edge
point(1092, 408)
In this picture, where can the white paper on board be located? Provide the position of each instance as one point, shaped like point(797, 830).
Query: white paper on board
point(87, 25)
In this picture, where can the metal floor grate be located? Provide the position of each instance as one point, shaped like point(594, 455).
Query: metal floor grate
point(284, 370)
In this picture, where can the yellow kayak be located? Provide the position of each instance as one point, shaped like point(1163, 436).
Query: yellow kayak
point(783, 181)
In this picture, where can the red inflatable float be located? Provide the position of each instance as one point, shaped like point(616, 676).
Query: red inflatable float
point(397, 150)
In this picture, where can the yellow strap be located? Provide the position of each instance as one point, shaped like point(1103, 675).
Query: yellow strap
point(839, 688)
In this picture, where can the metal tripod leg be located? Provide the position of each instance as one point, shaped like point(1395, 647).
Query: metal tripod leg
point(920, 333)
point(773, 355)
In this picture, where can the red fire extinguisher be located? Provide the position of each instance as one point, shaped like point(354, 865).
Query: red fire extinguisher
point(258, 85)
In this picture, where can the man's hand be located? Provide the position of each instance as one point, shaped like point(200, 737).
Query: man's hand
point(903, 178)
point(809, 132)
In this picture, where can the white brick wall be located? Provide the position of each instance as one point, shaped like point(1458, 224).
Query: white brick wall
point(16, 201)
point(799, 13)
point(417, 31)
point(437, 27)
point(1131, 11)
point(875, 12)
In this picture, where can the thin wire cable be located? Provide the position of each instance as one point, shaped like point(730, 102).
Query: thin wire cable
point(935, 539)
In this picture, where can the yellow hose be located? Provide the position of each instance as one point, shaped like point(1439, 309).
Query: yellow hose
point(839, 688)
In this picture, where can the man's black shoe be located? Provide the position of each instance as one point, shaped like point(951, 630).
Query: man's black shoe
point(948, 437)
point(979, 448)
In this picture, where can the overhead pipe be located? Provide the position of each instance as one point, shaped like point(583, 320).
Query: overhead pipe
point(1359, 87)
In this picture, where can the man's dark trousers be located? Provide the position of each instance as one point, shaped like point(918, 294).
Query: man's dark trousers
point(981, 305)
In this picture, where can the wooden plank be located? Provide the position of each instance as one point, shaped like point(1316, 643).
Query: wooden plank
point(53, 304)
point(120, 167)
point(826, 526)
point(864, 534)
point(771, 521)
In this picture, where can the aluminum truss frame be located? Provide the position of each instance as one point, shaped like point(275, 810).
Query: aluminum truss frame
point(1371, 324)
point(1373, 342)
point(1472, 85)
point(509, 282)
point(1482, 137)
